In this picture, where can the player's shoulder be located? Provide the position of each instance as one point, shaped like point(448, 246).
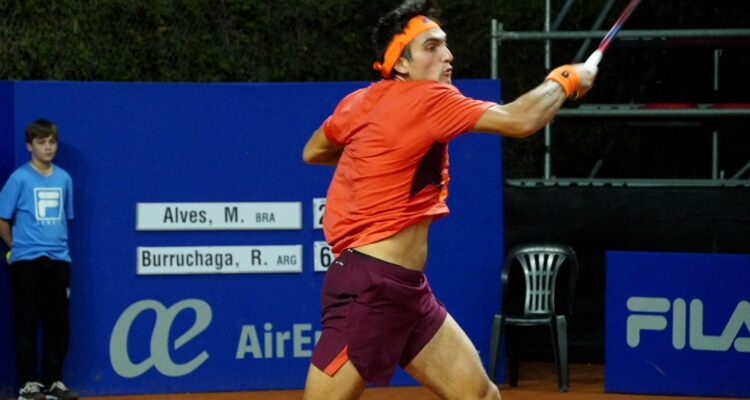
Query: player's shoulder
point(429, 88)
point(408, 85)
point(435, 85)
point(355, 94)
point(352, 98)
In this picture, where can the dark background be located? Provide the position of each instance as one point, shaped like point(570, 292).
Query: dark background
point(690, 219)
point(328, 40)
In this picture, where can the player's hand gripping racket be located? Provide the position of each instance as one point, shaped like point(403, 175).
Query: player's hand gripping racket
point(593, 61)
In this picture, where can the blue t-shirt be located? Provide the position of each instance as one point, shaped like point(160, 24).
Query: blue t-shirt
point(39, 206)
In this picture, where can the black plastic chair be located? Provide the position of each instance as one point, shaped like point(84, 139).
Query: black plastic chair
point(545, 298)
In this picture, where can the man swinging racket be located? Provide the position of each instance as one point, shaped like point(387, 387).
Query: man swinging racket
point(389, 145)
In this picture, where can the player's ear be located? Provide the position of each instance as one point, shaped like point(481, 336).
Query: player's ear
point(402, 66)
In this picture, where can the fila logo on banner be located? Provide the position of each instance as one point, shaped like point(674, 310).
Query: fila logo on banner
point(159, 356)
point(650, 314)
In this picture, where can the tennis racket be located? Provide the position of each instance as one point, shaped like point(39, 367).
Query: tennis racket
point(593, 61)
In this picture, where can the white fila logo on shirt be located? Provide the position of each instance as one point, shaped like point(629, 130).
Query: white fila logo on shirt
point(48, 204)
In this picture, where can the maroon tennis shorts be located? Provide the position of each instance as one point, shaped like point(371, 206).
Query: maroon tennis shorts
point(376, 314)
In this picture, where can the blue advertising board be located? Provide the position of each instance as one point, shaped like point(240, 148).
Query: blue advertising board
point(167, 174)
point(7, 146)
point(678, 323)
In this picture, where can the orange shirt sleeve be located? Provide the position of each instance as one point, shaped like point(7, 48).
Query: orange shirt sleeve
point(331, 131)
point(336, 126)
point(449, 113)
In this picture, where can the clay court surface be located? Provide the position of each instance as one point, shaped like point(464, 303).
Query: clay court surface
point(536, 381)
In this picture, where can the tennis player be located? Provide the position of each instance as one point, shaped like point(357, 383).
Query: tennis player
point(389, 145)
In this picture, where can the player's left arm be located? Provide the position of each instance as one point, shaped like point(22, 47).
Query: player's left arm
point(319, 150)
point(535, 108)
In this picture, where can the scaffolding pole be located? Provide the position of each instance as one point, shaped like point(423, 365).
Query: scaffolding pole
point(547, 67)
point(631, 34)
point(615, 111)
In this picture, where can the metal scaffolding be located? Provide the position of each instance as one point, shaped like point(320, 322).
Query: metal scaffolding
point(631, 34)
point(698, 111)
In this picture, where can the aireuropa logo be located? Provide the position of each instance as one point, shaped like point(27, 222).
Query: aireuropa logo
point(159, 357)
point(48, 204)
point(648, 314)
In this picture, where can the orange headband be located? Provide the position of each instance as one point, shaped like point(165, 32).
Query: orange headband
point(414, 27)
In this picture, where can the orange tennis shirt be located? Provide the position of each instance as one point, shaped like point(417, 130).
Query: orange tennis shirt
point(394, 168)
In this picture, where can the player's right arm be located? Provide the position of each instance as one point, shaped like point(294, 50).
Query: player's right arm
point(319, 150)
point(534, 109)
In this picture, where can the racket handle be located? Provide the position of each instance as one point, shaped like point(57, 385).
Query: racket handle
point(593, 61)
point(592, 66)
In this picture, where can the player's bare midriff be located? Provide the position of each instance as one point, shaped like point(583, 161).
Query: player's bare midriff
point(407, 248)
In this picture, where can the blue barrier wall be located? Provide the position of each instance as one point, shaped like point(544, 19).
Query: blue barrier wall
point(7, 145)
point(678, 323)
point(132, 143)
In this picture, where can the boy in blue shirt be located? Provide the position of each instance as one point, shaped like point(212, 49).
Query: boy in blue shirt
point(35, 204)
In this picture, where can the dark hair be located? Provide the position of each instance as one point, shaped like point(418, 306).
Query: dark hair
point(40, 129)
point(395, 21)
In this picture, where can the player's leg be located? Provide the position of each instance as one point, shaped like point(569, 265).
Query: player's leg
point(450, 366)
point(331, 374)
point(345, 384)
